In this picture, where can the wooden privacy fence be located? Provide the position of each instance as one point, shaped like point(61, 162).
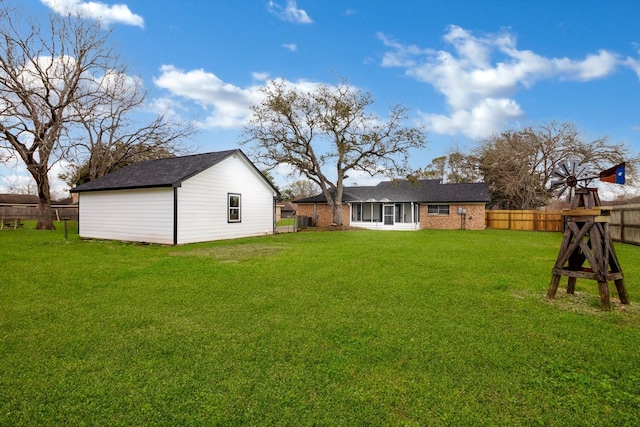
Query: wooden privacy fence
point(31, 213)
point(624, 224)
point(531, 220)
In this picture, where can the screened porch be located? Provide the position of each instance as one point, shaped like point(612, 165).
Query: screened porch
point(385, 215)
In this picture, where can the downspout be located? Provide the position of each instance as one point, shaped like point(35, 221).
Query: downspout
point(79, 214)
point(175, 216)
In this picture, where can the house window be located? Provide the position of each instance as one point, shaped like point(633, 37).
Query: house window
point(438, 209)
point(233, 204)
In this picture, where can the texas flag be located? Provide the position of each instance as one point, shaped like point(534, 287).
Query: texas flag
point(614, 175)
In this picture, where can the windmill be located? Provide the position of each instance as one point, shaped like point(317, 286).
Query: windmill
point(566, 177)
point(570, 175)
point(587, 249)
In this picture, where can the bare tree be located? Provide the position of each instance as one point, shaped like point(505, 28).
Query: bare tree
point(327, 132)
point(44, 72)
point(455, 167)
point(300, 189)
point(56, 80)
point(109, 138)
point(437, 169)
point(518, 165)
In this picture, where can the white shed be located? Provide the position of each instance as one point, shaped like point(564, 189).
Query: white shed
point(188, 199)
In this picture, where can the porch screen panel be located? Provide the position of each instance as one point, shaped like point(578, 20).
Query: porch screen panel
point(356, 214)
point(366, 212)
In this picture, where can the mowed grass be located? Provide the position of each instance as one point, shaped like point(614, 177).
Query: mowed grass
point(313, 328)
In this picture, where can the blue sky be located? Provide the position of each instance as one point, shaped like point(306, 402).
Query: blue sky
point(465, 69)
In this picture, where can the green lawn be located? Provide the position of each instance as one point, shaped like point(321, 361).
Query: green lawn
point(313, 328)
point(286, 222)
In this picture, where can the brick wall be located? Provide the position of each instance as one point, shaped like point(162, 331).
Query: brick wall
point(475, 217)
point(325, 218)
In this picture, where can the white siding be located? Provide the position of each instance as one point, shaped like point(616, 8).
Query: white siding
point(144, 215)
point(202, 203)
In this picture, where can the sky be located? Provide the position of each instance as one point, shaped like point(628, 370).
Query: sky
point(465, 69)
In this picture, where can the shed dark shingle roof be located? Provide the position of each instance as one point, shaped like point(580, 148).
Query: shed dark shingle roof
point(426, 191)
point(156, 173)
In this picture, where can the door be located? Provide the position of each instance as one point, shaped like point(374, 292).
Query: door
point(388, 214)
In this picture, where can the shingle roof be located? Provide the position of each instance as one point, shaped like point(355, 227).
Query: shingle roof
point(156, 173)
point(19, 199)
point(425, 191)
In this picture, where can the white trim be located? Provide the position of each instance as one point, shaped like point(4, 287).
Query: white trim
point(378, 224)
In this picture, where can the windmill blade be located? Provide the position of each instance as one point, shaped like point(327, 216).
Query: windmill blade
point(557, 182)
point(581, 171)
point(566, 168)
point(561, 191)
point(560, 173)
point(574, 166)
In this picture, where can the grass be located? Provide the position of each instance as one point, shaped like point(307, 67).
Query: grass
point(286, 222)
point(313, 328)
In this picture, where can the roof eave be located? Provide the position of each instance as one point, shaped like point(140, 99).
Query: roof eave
point(137, 187)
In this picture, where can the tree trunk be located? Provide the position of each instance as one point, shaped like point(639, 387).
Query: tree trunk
point(45, 216)
point(337, 213)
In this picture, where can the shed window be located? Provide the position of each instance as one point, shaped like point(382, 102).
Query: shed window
point(234, 207)
point(438, 209)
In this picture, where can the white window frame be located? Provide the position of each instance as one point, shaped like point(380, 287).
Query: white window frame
point(234, 213)
point(442, 210)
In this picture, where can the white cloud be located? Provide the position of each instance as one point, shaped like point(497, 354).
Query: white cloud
point(480, 75)
point(479, 121)
point(290, 12)
point(14, 178)
point(228, 104)
point(115, 14)
point(260, 76)
point(363, 179)
point(592, 67)
point(634, 64)
point(291, 46)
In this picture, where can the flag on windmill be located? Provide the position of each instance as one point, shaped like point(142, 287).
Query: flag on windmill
point(614, 175)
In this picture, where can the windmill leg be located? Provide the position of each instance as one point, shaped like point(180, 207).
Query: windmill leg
point(605, 301)
point(553, 286)
point(622, 291)
point(575, 263)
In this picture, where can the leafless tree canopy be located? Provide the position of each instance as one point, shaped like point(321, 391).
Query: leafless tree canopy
point(326, 133)
point(300, 189)
point(518, 165)
point(64, 94)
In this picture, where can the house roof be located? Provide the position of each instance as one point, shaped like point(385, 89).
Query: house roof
point(18, 199)
point(289, 207)
point(170, 172)
point(425, 191)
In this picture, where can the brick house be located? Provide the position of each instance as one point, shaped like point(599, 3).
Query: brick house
point(405, 205)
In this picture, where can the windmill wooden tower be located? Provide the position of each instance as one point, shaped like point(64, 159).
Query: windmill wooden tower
point(587, 251)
